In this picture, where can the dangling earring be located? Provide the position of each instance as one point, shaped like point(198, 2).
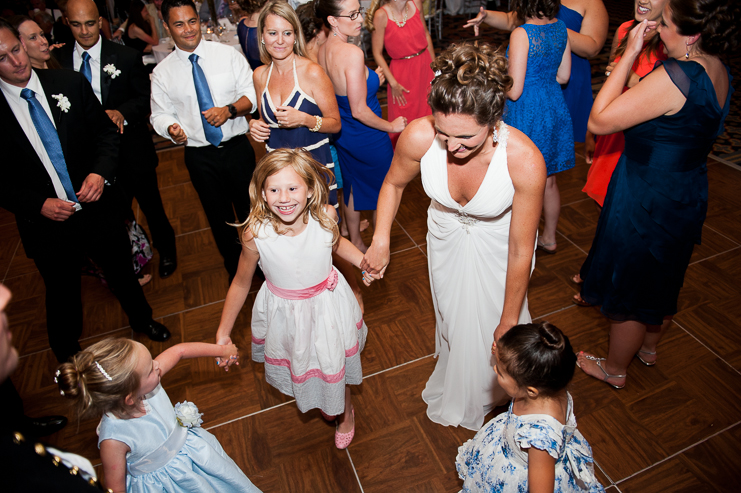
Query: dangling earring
point(495, 135)
point(687, 54)
point(263, 41)
point(334, 31)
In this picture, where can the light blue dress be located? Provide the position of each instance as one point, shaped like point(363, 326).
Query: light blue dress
point(496, 459)
point(167, 457)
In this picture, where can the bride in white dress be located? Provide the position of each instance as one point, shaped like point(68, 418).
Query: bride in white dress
point(486, 182)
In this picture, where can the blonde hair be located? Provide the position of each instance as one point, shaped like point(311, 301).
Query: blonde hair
point(98, 379)
point(282, 9)
point(311, 172)
point(375, 5)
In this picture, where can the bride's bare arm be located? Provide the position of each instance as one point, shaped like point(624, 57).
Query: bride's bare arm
point(528, 172)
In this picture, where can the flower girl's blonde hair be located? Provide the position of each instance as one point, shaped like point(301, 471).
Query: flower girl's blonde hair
point(311, 172)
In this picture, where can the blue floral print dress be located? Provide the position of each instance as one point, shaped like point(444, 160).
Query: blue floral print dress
point(495, 460)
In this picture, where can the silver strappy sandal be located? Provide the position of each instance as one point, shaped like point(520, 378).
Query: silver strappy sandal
point(607, 375)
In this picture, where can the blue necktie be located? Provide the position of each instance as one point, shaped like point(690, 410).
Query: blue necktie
point(50, 138)
point(205, 102)
point(85, 67)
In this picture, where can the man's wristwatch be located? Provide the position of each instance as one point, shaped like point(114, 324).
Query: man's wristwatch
point(232, 111)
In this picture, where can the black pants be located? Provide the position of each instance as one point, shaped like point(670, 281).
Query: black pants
point(140, 183)
point(107, 244)
point(221, 176)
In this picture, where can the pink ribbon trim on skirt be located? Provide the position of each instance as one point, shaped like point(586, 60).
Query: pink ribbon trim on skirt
point(303, 294)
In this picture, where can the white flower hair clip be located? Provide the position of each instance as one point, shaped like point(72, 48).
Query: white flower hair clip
point(63, 102)
point(111, 70)
point(105, 373)
point(187, 415)
point(56, 376)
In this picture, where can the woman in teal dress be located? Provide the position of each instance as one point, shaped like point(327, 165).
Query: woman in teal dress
point(657, 198)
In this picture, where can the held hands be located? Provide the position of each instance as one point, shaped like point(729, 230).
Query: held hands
point(217, 116)
point(177, 133)
point(369, 278)
point(117, 118)
point(398, 125)
point(57, 209)
point(259, 130)
point(290, 117)
point(92, 188)
point(375, 261)
point(476, 21)
point(231, 353)
point(397, 94)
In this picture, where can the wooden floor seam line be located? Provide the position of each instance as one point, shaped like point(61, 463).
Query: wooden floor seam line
point(706, 347)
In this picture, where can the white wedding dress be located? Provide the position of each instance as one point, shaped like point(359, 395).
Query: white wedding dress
point(467, 250)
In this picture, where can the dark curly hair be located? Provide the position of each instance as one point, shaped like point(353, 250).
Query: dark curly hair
point(527, 9)
point(537, 355)
point(716, 21)
point(472, 80)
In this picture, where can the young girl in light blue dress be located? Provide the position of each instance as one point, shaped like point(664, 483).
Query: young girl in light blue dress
point(146, 445)
point(535, 445)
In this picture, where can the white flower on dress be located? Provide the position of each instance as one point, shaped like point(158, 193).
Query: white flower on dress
point(111, 70)
point(63, 103)
point(187, 414)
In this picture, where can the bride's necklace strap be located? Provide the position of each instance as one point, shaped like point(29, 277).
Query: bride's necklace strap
point(404, 20)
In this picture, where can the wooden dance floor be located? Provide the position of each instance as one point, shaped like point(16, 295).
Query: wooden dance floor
point(675, 427)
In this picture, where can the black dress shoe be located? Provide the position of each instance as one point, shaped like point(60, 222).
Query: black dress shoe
point(43, 426)
point(168, 264)
point(154, 330)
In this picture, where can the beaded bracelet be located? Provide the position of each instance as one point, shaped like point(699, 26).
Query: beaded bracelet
point(318, 124)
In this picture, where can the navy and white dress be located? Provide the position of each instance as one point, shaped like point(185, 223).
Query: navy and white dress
point(292, 138)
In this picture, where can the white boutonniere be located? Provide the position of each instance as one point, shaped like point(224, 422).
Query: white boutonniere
point(63, 102)
point(187, 414)
point(111, 70)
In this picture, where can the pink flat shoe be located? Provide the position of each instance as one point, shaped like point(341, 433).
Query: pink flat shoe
point(327, 417)
point(343, 440)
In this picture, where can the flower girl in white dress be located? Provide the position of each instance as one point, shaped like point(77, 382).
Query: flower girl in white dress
point(146, 446)
point(307, 326)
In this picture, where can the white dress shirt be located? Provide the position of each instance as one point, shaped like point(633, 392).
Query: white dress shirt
point(19, 106)
point(95, 67)
point(174, 99)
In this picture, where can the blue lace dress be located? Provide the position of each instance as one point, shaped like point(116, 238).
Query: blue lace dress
point(165, 456)
point(541, 112)
point(496, 459)
point(655, 205)
point(578, 90)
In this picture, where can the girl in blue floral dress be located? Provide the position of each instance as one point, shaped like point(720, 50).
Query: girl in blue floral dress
point(539, 61)
point(535, 445)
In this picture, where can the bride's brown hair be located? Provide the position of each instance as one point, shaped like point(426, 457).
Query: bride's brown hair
point(470, 79)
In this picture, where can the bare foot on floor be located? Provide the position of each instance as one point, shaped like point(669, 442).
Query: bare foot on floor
point(143, 280)
point(364, 225)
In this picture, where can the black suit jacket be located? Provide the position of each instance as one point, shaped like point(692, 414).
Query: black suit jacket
point(128, 93)
point(89, 143)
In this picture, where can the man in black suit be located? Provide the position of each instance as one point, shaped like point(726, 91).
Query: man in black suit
point(59, 149)
point(122, 86)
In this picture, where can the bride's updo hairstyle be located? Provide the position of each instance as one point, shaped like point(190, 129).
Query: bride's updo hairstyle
point(470, 79)
point(537, 355)
point(716, 21)
point(99, 378)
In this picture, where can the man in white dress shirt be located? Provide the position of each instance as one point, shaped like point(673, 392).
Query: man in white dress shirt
point(200, 95)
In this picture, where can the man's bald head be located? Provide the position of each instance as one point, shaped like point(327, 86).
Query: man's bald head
point(84, 21)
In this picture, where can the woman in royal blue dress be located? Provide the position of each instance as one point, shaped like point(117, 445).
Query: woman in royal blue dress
point(586, 22)
point(657, 198)
point(539, 60)
point(247, 31)
point(363, 144)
